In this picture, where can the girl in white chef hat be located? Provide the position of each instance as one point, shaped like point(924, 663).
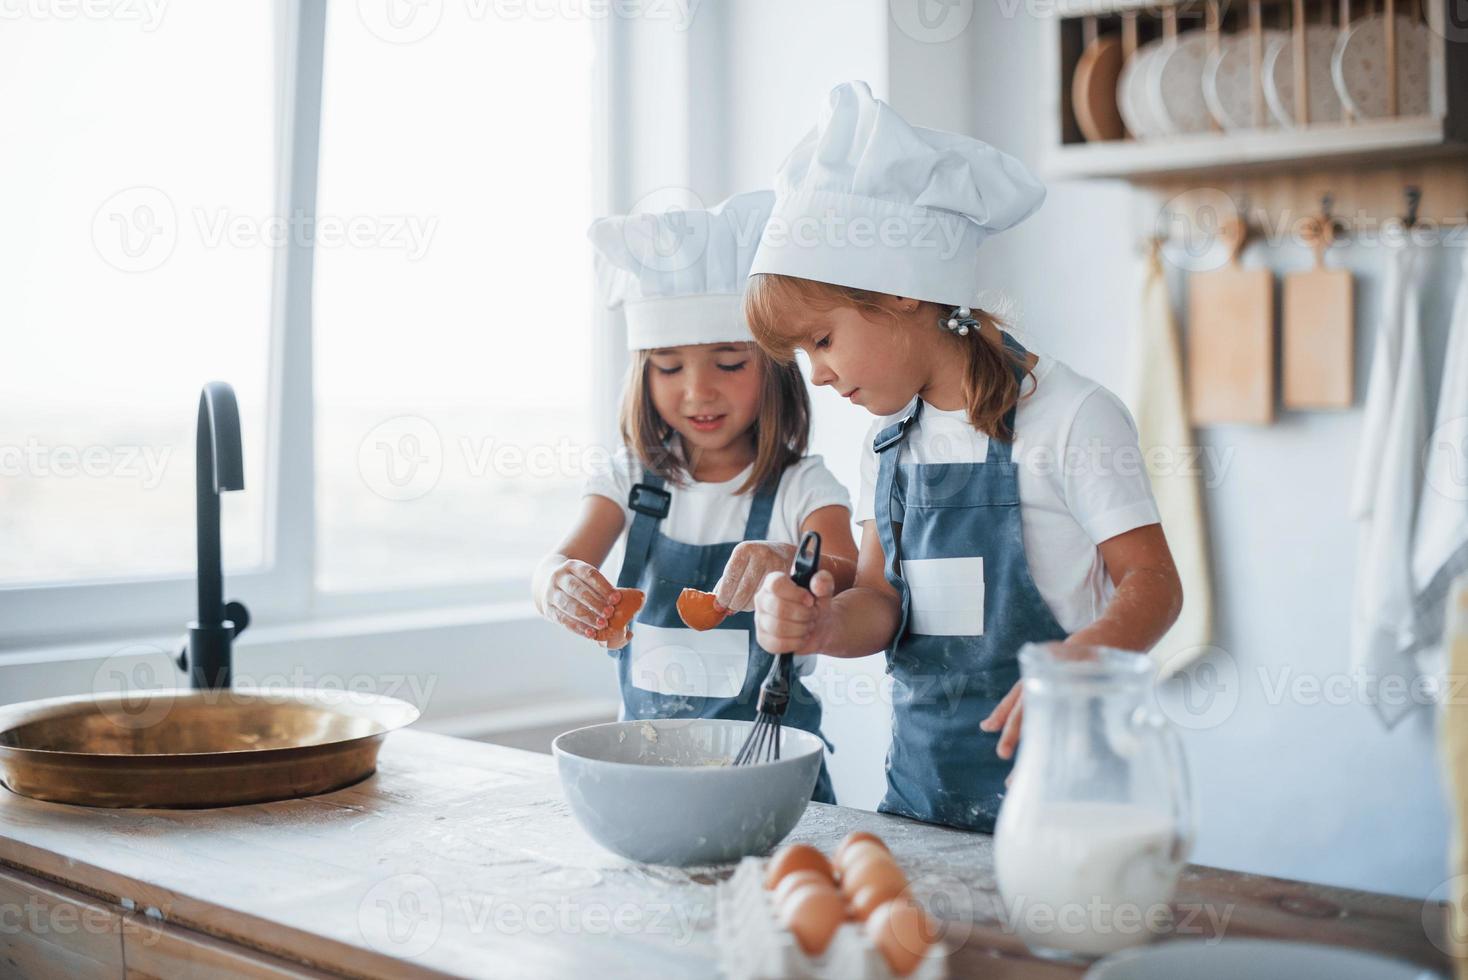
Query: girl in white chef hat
point(712, 489)
point(997, 503)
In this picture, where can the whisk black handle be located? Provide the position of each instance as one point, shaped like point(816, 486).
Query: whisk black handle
point(807, 559)
point(775, 691)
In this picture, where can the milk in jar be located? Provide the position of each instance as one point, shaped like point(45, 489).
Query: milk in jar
point(1097, 823)
point(1087, 877)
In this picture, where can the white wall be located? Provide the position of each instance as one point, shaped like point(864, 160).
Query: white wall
point(1284, 787)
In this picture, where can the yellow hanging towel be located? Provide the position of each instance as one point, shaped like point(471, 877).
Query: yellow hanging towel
point(1160, 407)
point(1453, 741)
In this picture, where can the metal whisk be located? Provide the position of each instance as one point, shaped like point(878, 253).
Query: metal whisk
point(763, 743)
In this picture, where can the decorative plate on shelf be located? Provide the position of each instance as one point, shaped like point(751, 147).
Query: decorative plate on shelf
point(1135, 108)
point(1175, 85)
point(1279, 78)
point(1093, 90)
point(1358, 68)
point(1228, 81)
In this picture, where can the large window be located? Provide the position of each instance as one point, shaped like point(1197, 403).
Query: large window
point(452, 354)
point(150, 244)
point(138, 173)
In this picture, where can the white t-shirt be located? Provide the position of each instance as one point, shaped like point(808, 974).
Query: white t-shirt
point(1082, 480)
point(710, 513)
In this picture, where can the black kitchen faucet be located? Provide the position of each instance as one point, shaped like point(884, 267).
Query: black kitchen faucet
point(219, 466)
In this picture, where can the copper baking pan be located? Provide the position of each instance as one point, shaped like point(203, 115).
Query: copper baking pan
point(189, 749)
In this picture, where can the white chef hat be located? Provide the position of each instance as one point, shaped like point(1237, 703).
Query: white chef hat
point(680, 275)
point(867, 200)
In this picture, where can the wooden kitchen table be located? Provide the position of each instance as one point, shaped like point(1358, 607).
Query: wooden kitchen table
point(462, 858)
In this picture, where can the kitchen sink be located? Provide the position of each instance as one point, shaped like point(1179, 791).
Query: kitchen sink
point(194, 748)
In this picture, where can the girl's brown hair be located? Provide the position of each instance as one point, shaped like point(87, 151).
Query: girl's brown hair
point(990, 385)
point(781, 426)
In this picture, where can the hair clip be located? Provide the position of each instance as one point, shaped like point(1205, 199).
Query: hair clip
point(960, 320)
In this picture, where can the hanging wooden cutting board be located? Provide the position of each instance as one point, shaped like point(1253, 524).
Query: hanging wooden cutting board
point(1231, 341)
point(1319, 331)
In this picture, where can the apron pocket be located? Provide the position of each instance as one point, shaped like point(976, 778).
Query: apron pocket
point(946, 595)
point(686, 663)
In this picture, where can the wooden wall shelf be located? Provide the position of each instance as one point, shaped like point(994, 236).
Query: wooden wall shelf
point(1380, 141)
point(1440, 134)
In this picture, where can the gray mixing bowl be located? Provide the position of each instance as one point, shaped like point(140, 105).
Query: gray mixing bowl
point(663, 792)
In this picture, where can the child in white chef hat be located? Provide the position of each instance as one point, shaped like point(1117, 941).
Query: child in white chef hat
point(712, 489)
point(997, 501)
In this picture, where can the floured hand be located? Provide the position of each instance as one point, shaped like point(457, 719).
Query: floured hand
point(578, 597)
point(747, 568)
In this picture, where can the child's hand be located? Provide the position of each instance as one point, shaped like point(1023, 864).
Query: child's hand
point(747, 568)
point(579, 598)
point(616, 642)
point(788, 619)
point(1007, 713)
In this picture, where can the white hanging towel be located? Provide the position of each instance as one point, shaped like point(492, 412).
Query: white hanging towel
point(1440, 545)
point(1388, 484)
point(1160, 408)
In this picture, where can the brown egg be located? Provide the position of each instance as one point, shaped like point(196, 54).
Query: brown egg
point(799, 879)
point(856, 837)
point(866, 901)
point(873, 871)
point(796, 857)
point(902, 932)
point(813, 914)
point(860, 851)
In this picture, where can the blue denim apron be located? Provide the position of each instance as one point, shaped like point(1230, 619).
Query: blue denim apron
point(663, 568)
point(969, 603)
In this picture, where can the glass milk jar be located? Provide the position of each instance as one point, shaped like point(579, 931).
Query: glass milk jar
point(1097, 822)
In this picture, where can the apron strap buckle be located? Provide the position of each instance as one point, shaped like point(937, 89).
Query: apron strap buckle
point(650, 500)
point(892, 435)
